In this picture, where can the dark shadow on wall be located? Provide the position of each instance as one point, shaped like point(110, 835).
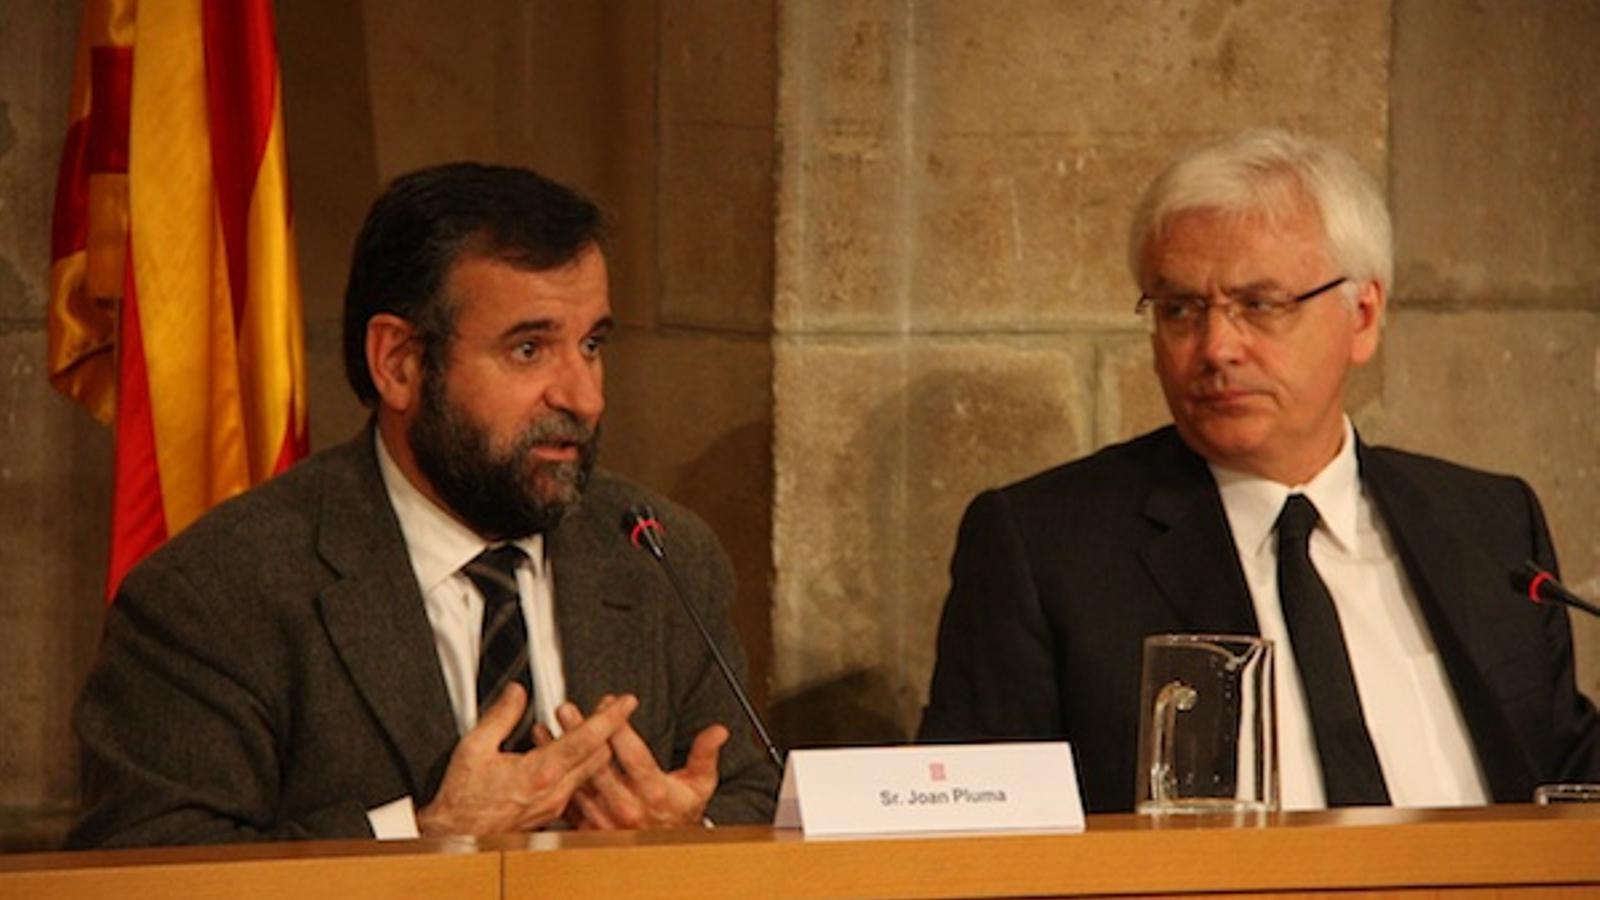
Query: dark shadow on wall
point(730, 486)
point(965, 419)
point(856, 708)
point(333, 174)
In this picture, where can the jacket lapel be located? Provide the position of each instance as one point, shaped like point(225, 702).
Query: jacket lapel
point(1193, 560)
point(599, 602)
point(1454, 589)
point(375, 618)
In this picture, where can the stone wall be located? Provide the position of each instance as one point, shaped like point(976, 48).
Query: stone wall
point(868, 259)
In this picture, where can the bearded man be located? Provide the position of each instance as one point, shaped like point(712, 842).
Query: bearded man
point(437, 628)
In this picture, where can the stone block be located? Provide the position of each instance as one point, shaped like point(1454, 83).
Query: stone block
point(436, 63)
point(632, 257)
point(843, 168)
point(1496, 111)
point(1027, 233)
point(1509, 391)
point(719, 62)
point(55, 481)
point(1172, 70)
point(39, 41)
point(843, 66)
point(843, 246)
point(1128, 398)
point(715, 230)
point(880, 445)
point(691, 416)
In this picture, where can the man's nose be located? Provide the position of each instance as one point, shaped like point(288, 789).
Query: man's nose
point(579, 388)
point(1222, 338)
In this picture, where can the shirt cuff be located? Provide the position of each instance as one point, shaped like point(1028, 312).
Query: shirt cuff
point(394, 821)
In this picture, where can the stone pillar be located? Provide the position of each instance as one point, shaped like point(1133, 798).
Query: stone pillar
point(55, 462)
point(1493, 351)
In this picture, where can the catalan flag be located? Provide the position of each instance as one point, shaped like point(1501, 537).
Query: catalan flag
point(175, 310)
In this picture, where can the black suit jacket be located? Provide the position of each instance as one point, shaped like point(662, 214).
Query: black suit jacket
point(1057, 580)
point(271, 672)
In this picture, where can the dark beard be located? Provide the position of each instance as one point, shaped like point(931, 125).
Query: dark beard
point(503, 497)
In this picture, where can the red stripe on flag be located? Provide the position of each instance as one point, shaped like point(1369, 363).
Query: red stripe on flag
point(241, 78)
point(138, 519)
point(295, 446)
point(98, 143)
point(69, 224)
point(111, 74)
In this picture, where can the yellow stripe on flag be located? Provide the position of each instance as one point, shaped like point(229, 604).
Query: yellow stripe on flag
point(269, 337)
point(180, 268)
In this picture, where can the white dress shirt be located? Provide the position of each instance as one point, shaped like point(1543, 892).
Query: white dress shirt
point(1411, 711)
point(439, 546)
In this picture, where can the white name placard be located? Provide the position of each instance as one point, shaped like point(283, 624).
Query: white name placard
point(931, 787)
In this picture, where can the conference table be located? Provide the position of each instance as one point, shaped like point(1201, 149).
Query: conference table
point(1504, 851)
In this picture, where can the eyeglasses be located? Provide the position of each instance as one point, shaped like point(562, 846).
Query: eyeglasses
point(1264, 311)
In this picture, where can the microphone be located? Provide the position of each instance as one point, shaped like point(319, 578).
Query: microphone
point(1542, 587)
point(644, 530)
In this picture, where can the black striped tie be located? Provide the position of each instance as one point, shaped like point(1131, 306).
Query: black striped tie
point(1351, 775)
point(504, 653)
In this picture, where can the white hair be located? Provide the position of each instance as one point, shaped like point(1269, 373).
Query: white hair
point(1275, 174)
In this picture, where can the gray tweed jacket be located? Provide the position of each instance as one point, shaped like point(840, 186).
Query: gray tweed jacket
point(270, 672)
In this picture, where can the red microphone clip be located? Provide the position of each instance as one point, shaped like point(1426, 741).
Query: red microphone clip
point(1533, 586)
point(642, 525)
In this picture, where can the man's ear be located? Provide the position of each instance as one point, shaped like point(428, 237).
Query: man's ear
point(394, 359)
point(1371, 303)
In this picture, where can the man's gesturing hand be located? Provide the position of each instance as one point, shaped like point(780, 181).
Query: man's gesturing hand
point(485, 791)
point(630, 790)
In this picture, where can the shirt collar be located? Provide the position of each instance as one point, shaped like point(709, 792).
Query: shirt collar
point(1253, 503)
point(436, 542)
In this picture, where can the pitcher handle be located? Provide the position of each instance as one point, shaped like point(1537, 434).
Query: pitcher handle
point(1173, 698)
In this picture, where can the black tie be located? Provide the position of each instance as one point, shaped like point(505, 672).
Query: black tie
point(503, 656)
point(1351, 775)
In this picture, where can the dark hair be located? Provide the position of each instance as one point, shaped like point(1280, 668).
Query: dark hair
point(427, 220)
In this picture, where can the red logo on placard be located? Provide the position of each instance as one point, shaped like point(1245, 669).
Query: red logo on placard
point(936, 771)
